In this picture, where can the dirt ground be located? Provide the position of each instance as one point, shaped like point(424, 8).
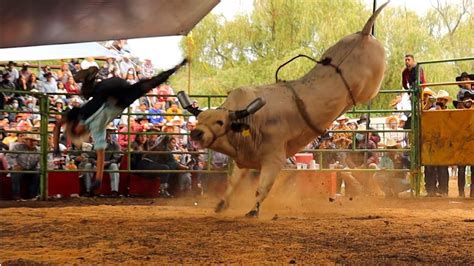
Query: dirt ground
point(292, 228)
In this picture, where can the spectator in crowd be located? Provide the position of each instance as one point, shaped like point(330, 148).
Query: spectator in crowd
point(392, 123)
point(22, 84)
point(163, 161)
point(172, 112)
point(409, 79)
point(72, 66)
point(103, 72)
point(43, 71)
point(409, 74)
point(155, 115)
point(71, 87)
point(89, 62)
point(131, 77)
point(114, 68)
point(61, 89)
point(49, 85)
point(436, 176)
point(33, 83)
point(24, 72)
point(164, 92)
point(392, 183)
point(111, 162)
point(329, 158)
point(148, 70)
point(149, 99)
point(138, 145)
point(465, 100)
point(465, 77)
point(64, 73)
point(14, 74)
point(25, 162)
point(126, 65)
point(428, 99)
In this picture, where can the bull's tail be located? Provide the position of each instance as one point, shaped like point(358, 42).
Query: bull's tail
point(368, 26)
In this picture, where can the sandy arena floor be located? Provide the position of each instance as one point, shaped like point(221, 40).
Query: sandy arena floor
point(290, 229)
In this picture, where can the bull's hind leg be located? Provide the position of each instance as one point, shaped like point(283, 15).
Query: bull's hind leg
point(232, 181)
point(268, 174)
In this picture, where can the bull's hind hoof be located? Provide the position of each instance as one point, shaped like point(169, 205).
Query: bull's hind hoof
point(252, 214)
point(221, 206)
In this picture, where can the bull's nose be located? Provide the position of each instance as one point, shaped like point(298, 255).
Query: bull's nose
point(197, 134)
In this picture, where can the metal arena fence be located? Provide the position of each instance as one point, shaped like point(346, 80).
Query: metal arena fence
point(413, 148)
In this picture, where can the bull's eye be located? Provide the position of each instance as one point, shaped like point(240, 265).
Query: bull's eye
point(220, 122)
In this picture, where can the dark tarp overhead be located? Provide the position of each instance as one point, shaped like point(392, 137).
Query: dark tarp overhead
point(34, 22)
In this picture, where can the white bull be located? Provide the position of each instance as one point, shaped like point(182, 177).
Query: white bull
point(295, 113)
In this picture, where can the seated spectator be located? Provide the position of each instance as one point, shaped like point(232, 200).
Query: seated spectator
point(164, 92)
point(64, 73)
point(22, 84)
point(33, 83)
point(49, 85)
point(165, 161)
point(126, 65)
point(392, 183)
point(429, 99)
point(399, 137)
point(156, 115)
point(61, 89)
point(25, 162)
point(71, 86)
point(24, 72)
point(442, 100)
point(172, 112)
point(148, 70)
point(89, 62)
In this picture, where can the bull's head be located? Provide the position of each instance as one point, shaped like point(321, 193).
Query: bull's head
point(213, 124)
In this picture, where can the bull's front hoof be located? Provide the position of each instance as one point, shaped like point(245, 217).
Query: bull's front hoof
point(221, 206)
point(252, 214)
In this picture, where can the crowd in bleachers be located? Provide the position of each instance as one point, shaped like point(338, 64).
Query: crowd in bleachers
point(158, 124)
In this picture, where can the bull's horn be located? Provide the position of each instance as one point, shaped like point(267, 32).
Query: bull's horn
point(253, 107)
point(186, 103)
point(368, 26)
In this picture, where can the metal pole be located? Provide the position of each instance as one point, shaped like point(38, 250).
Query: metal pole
point(374, 7)
point(44, 147)
point(416, 134)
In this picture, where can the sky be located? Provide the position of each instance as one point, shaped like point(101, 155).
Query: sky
point(165, 51)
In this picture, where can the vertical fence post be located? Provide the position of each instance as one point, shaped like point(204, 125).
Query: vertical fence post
point(416, 134)
point(44, 147)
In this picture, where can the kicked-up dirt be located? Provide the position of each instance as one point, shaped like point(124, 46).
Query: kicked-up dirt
point(289, 230)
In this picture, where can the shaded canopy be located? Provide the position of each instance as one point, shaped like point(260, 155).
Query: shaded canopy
point(33, 22)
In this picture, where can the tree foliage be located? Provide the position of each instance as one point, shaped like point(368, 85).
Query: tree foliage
point(247, 50)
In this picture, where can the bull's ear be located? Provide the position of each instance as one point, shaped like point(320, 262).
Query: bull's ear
point(239, 127)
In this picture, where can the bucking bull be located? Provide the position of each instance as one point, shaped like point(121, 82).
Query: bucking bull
point(284, 117)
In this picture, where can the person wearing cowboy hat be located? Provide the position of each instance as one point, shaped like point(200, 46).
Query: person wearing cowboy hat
point(465, 100)
point(428, 99)
point(25, 162)
point(466, 77)
point(109, 99)
point(442, 100)
point(437, 176)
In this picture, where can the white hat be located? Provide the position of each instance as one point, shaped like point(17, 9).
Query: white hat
point(442, 94)
point(192, 120)
point(403, 118)
point(32, 137)
point(342, 117)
